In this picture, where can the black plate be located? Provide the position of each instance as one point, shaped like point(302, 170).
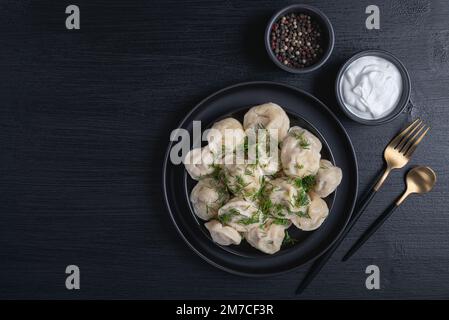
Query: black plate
point(304, 110)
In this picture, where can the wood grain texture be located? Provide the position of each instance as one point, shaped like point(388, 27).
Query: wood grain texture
point(85, 119)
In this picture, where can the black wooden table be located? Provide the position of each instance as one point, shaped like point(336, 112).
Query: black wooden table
point(85, 117)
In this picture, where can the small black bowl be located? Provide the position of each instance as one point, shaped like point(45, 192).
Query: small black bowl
point(403, 100)
point(321, 18)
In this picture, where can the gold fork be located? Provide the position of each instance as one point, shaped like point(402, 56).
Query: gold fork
point(396, 154)
point(400, 149)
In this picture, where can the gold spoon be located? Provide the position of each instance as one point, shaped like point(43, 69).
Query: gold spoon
point(419, 180)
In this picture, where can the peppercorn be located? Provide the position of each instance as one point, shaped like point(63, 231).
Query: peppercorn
point(296, 40)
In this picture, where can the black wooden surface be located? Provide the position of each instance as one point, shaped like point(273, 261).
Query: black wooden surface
point(85, 117)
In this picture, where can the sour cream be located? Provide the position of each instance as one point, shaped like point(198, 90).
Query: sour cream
point(371, 87)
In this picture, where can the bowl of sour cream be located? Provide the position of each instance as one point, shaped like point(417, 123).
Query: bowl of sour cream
point(373, 87)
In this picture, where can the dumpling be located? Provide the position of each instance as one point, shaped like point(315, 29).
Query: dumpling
point(239, 214)
point(207, 197)
point(287, 199)
point(199, 162)
point(300, 153)
point(268, 116)
point(243, 180)
point(223, 235)
point(267, 238)
point(305, 138)
point(225, 135)
point(300, 163)
point(316, 214)
point(264, 154)
point(327, 179)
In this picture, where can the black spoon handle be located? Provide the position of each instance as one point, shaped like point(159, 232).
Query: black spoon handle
point(370, 231)
point(319, 264)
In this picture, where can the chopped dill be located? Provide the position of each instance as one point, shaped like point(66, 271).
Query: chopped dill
point(218, 173)
point(245, 145)
point(222, 195)
point(308, 182)
point(278, 209)
point(302, 141)
point(302, 214)
point(288, 240)
point(305, 183)
point(239, 185)
point(227, 217)
point(301, 199)
point(255, 218)
point(280, 221)
point(265, 205)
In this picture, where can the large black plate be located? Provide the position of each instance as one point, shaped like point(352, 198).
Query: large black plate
point(304, 110)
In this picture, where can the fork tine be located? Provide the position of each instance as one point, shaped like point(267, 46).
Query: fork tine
point(415, 144)
point(399, 137)
point(408, 136)
point(405, 144)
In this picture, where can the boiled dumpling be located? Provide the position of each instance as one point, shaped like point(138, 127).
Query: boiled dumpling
point(316, 214)
point(225, 135)
point(305, 138)
point(267, 237)
point(243, 180)
point(223, 235)
point(207, 197)
point(199, 162)
point(327, 179)
point(268, 116)
point(239, 214)
point(300, 153)
point(287, 198)
point(263, 151)
point(300, 163)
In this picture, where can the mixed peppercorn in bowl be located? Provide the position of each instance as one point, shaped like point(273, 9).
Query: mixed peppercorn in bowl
point(299, 38)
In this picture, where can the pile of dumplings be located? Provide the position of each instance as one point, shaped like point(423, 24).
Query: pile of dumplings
point(259, 200)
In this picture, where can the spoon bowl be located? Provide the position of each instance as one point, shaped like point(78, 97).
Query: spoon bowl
point(419, 180)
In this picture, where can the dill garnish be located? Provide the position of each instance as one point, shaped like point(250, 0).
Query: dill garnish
point(305, 183)
point(288, 240)
point(303, 214)
point(255, 218)
point(302, 141)
point(227, 216)
point(239, 185)
point(218, 173)
point(301, 199)
point(280, 221)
